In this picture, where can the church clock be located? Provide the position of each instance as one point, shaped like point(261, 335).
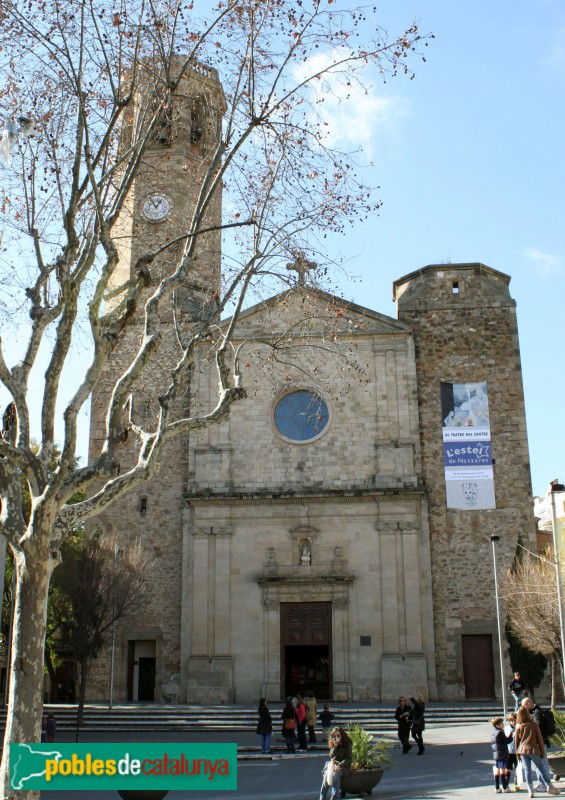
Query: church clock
point(156, 207)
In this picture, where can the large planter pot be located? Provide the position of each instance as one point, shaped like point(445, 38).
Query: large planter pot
point(557, 764)
point(361, 781)
point(142, 794)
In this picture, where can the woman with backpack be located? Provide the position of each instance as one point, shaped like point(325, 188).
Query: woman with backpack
point(288, 717)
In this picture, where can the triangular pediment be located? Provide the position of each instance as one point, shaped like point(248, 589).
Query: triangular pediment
point(307, 311)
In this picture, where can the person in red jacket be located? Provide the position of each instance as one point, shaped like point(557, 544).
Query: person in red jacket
point(300, 709)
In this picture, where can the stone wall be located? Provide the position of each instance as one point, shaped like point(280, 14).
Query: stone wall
point(465, 330)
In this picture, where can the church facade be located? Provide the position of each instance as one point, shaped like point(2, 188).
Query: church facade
point(307, 541)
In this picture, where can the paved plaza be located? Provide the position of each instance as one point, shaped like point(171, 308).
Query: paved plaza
point(457, 764)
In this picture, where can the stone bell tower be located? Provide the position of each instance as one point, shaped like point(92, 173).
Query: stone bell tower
point(156, 217)
point(165, 192)
point(463, 319)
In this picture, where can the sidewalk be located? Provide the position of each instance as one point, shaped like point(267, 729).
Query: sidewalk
point(457, 764)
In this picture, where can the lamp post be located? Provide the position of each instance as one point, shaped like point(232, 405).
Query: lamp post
point(555, 488)
point(494, 540)
point(117, 554)
point(112, 660)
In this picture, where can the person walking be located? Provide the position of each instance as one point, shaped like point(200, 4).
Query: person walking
point(51, 727)
point(531, 749)
point(512, 761)
point(418, 722)
point(517, 690)
point(311, 715)
point(288, 717)
point(300, 709)
point(499, 741)
point(264, 726)
point(339, 764)
point(538, 715)
point(403, 716)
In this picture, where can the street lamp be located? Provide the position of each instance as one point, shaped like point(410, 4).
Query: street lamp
point(117, 553)
point(494, 540)
point(555, 488)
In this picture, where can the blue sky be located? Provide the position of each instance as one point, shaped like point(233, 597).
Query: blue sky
point(469, 160)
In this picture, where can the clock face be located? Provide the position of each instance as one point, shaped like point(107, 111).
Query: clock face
point(156, 207)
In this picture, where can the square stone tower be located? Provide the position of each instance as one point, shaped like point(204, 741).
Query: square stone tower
point(465, 332)
point(158, 214)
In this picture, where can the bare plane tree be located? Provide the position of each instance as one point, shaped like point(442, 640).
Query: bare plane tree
point(87, 88)
point(529, 593)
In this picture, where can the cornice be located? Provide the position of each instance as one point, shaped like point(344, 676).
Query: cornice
point(395, 496)
point(331, 578)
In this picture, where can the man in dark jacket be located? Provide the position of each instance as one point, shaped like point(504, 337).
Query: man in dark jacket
point(517, 690)
point(418, 722)
point(403, 715)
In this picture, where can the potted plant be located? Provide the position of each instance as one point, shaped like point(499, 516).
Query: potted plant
point(556, 757)
point(369, 760)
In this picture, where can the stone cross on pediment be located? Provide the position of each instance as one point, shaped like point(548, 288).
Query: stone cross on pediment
point(301, 266)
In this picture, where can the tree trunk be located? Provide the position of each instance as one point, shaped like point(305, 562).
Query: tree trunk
point(83, 672)
point(557, 679)
point(51, 673)
point(560, 679)
point(25, 697)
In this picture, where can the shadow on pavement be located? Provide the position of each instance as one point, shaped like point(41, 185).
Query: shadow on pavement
point(444, 771)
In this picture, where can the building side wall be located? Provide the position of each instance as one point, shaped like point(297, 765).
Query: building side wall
point(468, 335)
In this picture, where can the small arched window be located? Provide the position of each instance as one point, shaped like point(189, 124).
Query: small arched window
point(196, 121)
point(163, 134)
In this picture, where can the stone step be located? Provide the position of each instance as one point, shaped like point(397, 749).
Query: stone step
point(141, 717)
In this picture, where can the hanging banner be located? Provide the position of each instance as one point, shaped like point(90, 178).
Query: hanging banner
point(467, 448)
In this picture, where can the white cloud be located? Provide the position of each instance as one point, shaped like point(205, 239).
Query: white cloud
point(354, 115)
point(545, 264)
point(556, 58)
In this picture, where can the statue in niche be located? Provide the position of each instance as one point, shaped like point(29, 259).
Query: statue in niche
point(270, 564)
point(305, 555)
